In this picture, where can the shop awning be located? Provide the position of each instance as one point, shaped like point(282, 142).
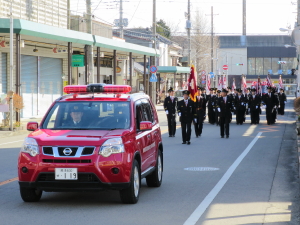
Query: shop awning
point(173, 69)
point(34, 29)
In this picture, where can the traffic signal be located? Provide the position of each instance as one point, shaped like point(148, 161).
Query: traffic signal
point(240, 64)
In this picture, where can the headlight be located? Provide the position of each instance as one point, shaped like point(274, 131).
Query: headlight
point(112, 146)
point(30, 146)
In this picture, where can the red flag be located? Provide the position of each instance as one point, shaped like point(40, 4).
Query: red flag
point(258, 85)
point(207, 83)
point(244, 84)
point(192, 84)
point(280, 82)
point(269, 82)
point(233, 85)
point(220, 83)
point(224, 82)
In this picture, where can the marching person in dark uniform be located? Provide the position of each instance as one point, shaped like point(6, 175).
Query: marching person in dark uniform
point(170, 106)
point(200, 112)
point(240, 107)
point(282, 101)
point(210, 106)
point(271, 103)
point(275, 92)
point(254, 102)
point(185, 112)
point(218, 95)
point(224, 109)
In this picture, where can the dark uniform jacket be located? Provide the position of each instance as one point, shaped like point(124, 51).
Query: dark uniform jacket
point(171, 106)
point(271, 101)
point(186, 111)
point(225, 108)
point(282, 97)
point(240, 102)
point(200, 106)
point(253, 102)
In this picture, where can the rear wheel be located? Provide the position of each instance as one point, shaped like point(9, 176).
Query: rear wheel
point(131, 194)
point(30, 194)
point(155, 178)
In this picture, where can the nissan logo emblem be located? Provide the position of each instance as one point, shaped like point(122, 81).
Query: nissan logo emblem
point(67, 151)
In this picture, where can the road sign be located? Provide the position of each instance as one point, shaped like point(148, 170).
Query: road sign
point(212, 75)
point(153, 69)
point(203, 82)
point(225, 67)
point(153, 78)
point(203, 72)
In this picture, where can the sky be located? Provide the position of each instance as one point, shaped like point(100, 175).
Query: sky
point(263, 16)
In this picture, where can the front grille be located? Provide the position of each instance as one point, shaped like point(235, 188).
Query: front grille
point(88, 151)
point(82, 177)
point(61, 151)
point(66, 161)
point(48, 150)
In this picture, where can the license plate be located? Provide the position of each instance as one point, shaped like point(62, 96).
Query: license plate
point(66, 174)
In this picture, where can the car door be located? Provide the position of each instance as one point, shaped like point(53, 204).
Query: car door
point(142, 137)
point(152, 140)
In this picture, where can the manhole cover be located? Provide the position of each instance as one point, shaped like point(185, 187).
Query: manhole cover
point(201, 169)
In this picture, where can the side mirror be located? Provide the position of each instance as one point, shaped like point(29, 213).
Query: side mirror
point(145, 125)
point(32, 126)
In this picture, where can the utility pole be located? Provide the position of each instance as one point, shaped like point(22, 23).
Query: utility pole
point(212, 39)
point(151, 84)
point(244, 17)
point(90, 52)
point(121, 20)
point(298, 13)
point(11, 68)
point(188, 27)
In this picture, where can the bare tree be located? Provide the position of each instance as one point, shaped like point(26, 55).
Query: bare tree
point(201, 44)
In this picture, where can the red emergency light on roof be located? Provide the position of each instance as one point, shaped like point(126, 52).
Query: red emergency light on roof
point(97, 88)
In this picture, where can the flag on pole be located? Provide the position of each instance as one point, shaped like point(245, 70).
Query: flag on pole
point(207, 83)
point(220, 83)
point(280, 82)
point(224, 82)
point(244, 84)
point(258, 85)
point(233, 85)
point(192, 84)
point(269, 81)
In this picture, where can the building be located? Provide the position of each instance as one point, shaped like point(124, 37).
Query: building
point(44, 49)
point(257, 56)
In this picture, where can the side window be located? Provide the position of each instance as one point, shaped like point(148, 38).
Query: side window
point(139, 114)
point(147, 111)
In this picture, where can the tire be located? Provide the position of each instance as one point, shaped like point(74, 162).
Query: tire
point(131, 194)
point(30, 194)
point(155, 179)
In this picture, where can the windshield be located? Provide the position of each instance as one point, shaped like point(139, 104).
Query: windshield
point(88, 115)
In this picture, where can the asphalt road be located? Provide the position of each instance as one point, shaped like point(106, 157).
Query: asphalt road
point(250, 178)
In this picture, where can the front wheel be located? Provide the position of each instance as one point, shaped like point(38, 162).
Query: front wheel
point(131, 194)
point(155, 178)
point(30, 194)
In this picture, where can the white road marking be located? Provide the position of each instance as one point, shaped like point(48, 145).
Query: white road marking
point(195, 216)
point(10, 142)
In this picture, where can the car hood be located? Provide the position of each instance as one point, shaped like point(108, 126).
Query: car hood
point(75, 137)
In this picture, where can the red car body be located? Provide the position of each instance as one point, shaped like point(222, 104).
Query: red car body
point(95, 172)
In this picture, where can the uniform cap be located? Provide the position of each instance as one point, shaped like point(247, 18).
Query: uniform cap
point(219, 91)
point(269, 87)
point(253, 89)
point(248, 88)
point(76, 108)
point(224, 90)
point(171, 89)
point(185, 92)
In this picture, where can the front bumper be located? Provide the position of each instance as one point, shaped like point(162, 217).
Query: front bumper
point(85, 182)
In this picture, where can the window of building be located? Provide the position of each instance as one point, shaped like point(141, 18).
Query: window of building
point(267, 66)
point(259, 66)
point(275, 66)
point(251, 66)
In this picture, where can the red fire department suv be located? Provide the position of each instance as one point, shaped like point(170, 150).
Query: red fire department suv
point(96, 137)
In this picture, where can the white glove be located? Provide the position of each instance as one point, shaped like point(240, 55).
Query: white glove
point(234, 108)
point(195, 120)
point(246, 104)
point(256, 107)
point(219, 110)
point(279, 106)
point(212, 103)
point(167, 112)
point(284, 102)
point(179, 114)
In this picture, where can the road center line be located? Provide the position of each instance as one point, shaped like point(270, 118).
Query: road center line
point(195, 216)
point(10, 142)
point(8, 181)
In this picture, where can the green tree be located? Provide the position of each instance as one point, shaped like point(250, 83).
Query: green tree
point(163, 29)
